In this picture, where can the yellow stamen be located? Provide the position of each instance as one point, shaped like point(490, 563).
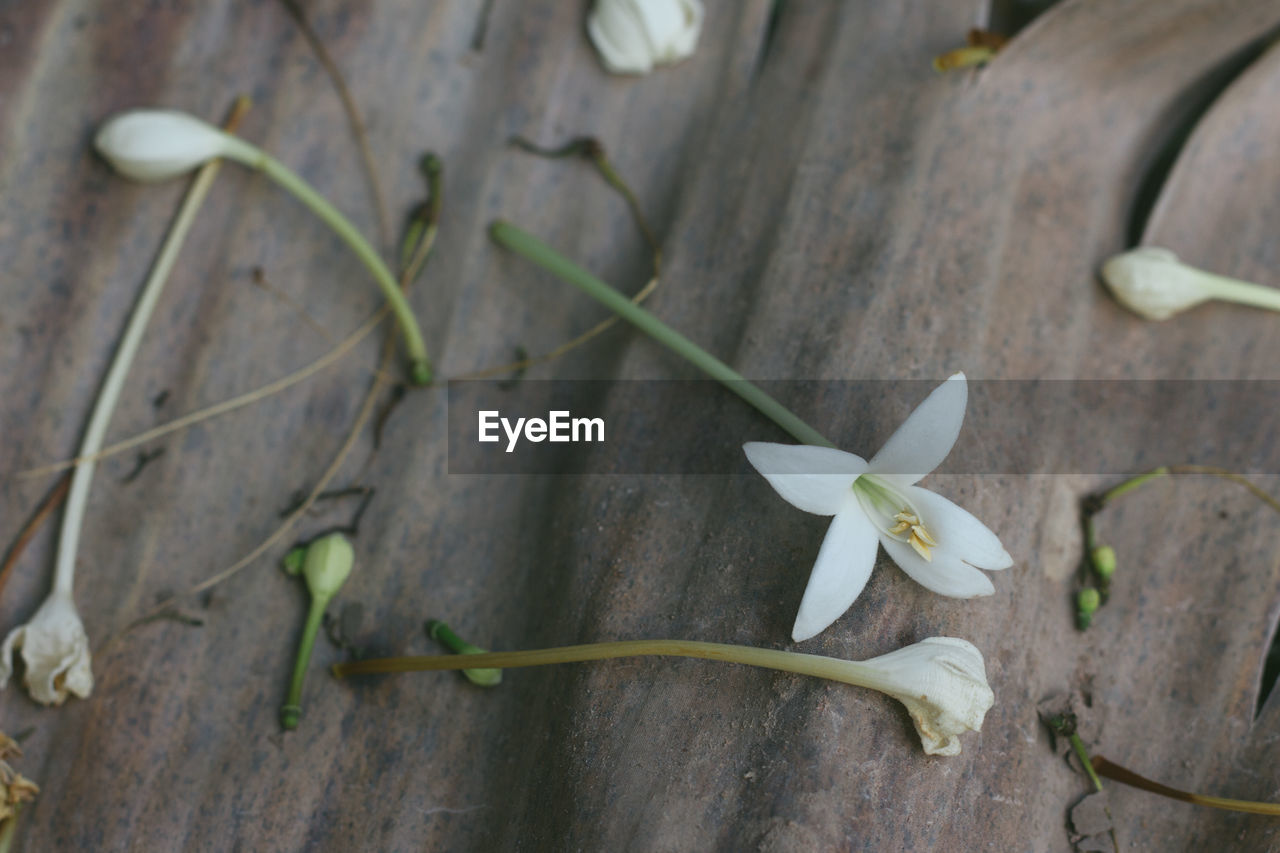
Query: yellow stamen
point(918, 530)
point(921, 548)
point(920, 539)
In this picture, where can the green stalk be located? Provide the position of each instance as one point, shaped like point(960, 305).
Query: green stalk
point(291, 710)
point(849, 672)
point(1133, 483)
point(1241, 292)
point(255, 158)
point(533, 249)
point(1083, 754)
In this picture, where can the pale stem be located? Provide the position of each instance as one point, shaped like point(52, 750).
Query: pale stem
point(1242, 292)
point(533, 249)
point(849, 672)
point(255, 158)
point(78, 497)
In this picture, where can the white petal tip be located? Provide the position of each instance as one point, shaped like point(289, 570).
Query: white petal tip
point(799, 634)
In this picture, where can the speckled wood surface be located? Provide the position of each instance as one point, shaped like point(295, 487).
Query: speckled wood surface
point(828, 208)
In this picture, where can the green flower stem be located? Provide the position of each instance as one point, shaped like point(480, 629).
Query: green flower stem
point(849, 672)
point(1133, 483)
point(9, 829)
point(291, 710)
point(1083, 754)
point(1208, 470)
point(1241, 292)
point(533, 249)
point(255, 158)
point(420, 238)
point(444, 635)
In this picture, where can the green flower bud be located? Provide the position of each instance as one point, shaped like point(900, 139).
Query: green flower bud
point(1087, 602)
point(328, 563)
point(1104, 561)
point(442, 634)
point(294, 560)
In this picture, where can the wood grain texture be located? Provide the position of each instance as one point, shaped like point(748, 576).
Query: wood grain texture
point(829, 208)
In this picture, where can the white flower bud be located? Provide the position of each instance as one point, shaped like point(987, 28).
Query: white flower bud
point(632, 36)
point(943, 683)
point(54, 648)
point(1152, 282)
point(154, 145)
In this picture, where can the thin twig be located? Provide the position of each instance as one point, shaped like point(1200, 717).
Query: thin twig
point(46, 508)
point(225, 406)
point(525, 363)
point(1126, 776)
point(260, 280)
point(358, 131)
point(1229, 476)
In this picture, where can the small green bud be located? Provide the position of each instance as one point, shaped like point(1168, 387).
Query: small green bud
point(412, 237)
point(430, 165)
point(1104, 561)
point(442, 634)
point(328, 563)
point(1087, 603)
point(294, 560)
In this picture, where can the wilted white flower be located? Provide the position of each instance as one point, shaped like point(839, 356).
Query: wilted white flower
point(938, 544)
point(632, 36)
point(943, 683)
point(55, 650)
point(1152, 282)
point(154, 145)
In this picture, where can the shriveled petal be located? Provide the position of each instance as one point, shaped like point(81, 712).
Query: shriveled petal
point(943, 683)
point(55, 649)
point(844, 563)
point(925, 437)
point(958, 532)
point(946, 574)
point(815, 479)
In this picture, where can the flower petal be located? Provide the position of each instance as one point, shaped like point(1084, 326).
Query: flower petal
point(958, 533)
point(946, 574)
point(814, 479)
point(926, 436)
point(844, 563)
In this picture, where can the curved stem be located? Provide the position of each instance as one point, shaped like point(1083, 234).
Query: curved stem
point(1230, 477)
point(255, 158)
point(849, 672)
point(533, 249)
point(1132, 483)
point(95, 432)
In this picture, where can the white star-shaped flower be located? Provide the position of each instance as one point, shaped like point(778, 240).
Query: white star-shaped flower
point(937, 543)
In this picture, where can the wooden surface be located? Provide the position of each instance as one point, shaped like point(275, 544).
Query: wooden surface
point(829, 208)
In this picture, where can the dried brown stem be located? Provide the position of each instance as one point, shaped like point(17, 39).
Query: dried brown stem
point(42, 513)
point(358, 131)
